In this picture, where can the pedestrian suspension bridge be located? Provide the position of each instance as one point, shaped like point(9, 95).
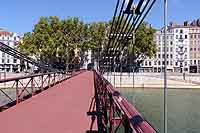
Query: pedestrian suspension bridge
point(77, 101)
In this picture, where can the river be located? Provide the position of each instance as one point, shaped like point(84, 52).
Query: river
point(183, 108)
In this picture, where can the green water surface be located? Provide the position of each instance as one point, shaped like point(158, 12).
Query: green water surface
point(183, 108)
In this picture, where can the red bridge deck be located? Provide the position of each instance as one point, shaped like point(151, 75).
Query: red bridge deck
point(60, 109)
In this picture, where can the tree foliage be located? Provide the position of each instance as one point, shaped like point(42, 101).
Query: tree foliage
point(56, 40)
point(143, 45)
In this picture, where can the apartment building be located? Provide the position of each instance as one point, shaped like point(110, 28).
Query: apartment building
point(156, 64)
point(194, 34)
point(9, 63)
point(177, 48)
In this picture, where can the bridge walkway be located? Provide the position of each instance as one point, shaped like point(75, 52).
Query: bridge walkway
point(60, 109)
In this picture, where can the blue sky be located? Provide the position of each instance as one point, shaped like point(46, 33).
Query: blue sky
point(20, 15)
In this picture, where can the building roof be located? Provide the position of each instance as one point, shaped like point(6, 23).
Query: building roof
point(5, 33)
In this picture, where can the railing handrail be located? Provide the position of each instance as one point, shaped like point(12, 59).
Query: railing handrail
point(26, 76)
point(136, 122)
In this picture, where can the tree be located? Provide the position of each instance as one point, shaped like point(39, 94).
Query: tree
point(53, 40)
point(144, 45)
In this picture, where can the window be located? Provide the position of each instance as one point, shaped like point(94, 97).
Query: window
point(158, 62)
point(190, 62)
point(176, 36)
point(199, 62)
point(186, 63)
point(159, 49)
point(185, 49)
point(190, 49)
point(167, 62)
point(14, 60)
point(181, 31)
point(3, 54)
point(170, 62)
point(185, 36)
point(171, 49)
point(8, 56)
point(176, 63)
point(191, 36)
point(8, 60)
point(145, 63)
point(155, 62)
point(149, 63)
point(163, 63)
point(15, 38)
point(185, 56)
point(158, 55)
point(171, 56)
point(195, 62)
point(171, 42)
point(167, 55)
point(195, 36)
point(167, 49)
point(181, 37)
point(194, 49)
point(176, 31)
point(163, 56)
point(3, 60)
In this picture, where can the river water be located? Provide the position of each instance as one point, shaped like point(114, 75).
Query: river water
point(183, 108)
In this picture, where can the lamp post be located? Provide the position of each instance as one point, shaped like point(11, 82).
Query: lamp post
point(165, 66)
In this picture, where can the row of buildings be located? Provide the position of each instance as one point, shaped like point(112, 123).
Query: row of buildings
point(183, 49)
point(7, 62)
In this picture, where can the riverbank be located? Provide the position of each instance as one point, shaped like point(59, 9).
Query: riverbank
point(154, 80)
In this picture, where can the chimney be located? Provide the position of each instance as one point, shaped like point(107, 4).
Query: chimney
point(186, 23)
point(172, 24)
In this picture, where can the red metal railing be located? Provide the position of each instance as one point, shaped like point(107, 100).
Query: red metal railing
point(113, 111)
point(20, 88)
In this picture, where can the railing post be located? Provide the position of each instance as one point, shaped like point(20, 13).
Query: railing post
point(54, 80)
point(17, 91)
point(111, 112)
point(127, 128)
point(42, 83)
point(49, 75)
point(32, 91)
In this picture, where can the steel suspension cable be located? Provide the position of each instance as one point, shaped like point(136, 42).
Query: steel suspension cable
point(113, 22)
point(126, 39)
point(120, 17)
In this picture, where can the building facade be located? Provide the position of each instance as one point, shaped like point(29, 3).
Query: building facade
point(183, 49)
point(194, 34)
point(7, 62)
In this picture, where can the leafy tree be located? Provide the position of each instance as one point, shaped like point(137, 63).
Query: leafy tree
point(55, 40)
point(144, 45)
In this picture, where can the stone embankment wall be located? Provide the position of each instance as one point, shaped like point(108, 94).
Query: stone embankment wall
point(154, 80)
